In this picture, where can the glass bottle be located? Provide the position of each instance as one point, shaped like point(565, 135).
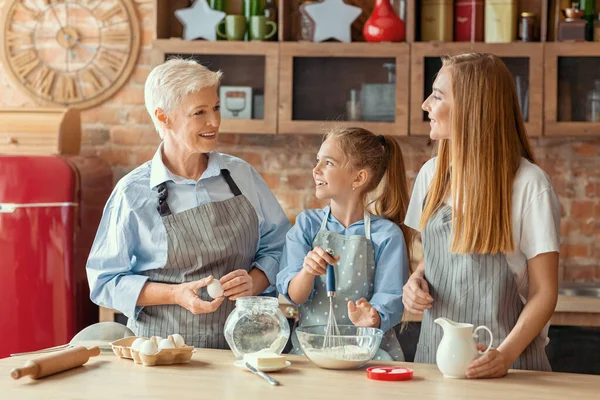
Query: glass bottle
point(256, 323)
point(353, 107)
point(589, 14)
point(593, 103)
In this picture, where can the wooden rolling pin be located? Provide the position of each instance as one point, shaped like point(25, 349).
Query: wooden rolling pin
point(55, 362)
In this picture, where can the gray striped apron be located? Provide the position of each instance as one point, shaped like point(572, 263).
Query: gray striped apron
point(212, 239)
point(355, 277)
point(478, 289)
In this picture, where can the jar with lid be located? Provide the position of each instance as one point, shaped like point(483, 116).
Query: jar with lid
point(256, 323)
point(527, 27)
point(593, 103)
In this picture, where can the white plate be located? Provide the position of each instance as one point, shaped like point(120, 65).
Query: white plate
point(241, 364)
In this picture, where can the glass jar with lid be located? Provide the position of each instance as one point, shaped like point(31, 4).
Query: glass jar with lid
point(527, 27)
point(255, 324)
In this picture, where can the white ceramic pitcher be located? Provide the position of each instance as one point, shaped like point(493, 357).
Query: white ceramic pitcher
point(458, 348)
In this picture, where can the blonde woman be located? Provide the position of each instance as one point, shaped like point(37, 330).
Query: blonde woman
point(188, 216)
point(489, 219)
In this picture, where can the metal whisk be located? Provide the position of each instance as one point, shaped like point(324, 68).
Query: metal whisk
point(332, 333)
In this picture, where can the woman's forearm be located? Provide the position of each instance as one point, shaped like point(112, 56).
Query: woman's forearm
point(301, 287)
point(154, 294)
point(541, 302)
point(260, 282)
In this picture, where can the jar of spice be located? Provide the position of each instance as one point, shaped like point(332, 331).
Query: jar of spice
point(500, 21)
point(527, 27)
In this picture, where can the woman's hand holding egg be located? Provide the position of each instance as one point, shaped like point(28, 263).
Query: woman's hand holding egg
point(186, 295)
point(237, 284)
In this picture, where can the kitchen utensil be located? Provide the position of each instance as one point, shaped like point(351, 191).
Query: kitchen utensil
point(457, 348)
point(242, 364)
point(360, 346)
point(100, 334)
point(389, 373)
point(262, 375)
point(332, 332)
point(54, 363)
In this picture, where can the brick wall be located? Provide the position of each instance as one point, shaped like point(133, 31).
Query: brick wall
point(120, 132)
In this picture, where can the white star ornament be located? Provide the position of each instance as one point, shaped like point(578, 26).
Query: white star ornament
point(199, 21)
point(333, 19)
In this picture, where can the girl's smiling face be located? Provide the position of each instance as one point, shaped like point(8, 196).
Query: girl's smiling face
point(332, 174)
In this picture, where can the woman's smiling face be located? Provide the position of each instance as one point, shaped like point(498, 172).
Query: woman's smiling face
point(439, 106)
point(194, 124)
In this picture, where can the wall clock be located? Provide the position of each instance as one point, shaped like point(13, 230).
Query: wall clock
point(74, 53)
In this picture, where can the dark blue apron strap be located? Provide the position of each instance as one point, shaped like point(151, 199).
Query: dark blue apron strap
point(162, 207)
point(232, 186)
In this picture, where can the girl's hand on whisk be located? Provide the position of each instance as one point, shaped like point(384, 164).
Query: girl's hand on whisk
point(363, 314)
point(315, 262)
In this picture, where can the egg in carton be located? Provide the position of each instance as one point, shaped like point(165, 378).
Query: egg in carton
point(122, 347)
point(154, 351)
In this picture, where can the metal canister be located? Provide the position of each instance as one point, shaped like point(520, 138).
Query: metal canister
point(500, 21)
point(437, 20)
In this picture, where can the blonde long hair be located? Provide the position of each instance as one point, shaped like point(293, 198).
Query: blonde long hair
point(478, 165)
point(386, 192)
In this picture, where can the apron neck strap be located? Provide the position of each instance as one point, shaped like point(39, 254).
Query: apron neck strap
point(367, 218)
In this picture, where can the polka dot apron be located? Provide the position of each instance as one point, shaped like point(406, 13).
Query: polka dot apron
point(355, 276)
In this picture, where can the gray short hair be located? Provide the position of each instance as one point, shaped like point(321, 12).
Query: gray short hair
point(170, 82)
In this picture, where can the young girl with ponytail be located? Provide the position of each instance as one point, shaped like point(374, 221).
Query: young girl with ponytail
point(363, 177)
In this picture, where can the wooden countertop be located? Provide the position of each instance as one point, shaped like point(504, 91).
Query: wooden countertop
point(211, 375)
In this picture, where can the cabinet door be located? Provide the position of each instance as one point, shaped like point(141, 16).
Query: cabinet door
point(572, 85)
point(342, 84)
point(248, 89)
point(524, 60)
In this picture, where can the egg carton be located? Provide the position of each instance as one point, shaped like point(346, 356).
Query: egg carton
point(181, 355)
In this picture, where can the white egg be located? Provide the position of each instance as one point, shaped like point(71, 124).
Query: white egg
point(156, 339)
point(148, 348)
point(137, 343)
point(166, 344)
point(214, 289)
point(177, 339)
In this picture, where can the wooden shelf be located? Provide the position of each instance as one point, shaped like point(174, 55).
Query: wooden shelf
point(291, 51)
point(531, 50)
point(211, 51)
point(553, 125)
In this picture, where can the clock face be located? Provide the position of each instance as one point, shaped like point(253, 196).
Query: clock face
point(73, 53)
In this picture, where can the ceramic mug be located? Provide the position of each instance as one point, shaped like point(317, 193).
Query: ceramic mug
point(235, 27)
point(258, 27)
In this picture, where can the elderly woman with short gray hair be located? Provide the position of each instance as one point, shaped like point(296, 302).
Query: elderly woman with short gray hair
point(188, 216)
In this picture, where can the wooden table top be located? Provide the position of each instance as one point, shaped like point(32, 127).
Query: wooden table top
point(212, 375)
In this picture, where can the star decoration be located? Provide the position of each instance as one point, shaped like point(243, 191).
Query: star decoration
point(333, 19)
point(199, 21)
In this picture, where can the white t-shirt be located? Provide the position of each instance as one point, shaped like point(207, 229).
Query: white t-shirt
point(535, 216)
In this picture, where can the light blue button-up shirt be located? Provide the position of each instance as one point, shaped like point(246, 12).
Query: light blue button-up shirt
point(391, 259)
point(132, 238)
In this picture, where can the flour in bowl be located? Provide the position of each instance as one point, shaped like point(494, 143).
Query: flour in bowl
point(341, 357)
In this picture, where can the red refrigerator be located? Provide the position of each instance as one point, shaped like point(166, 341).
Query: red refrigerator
point(50, 207)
